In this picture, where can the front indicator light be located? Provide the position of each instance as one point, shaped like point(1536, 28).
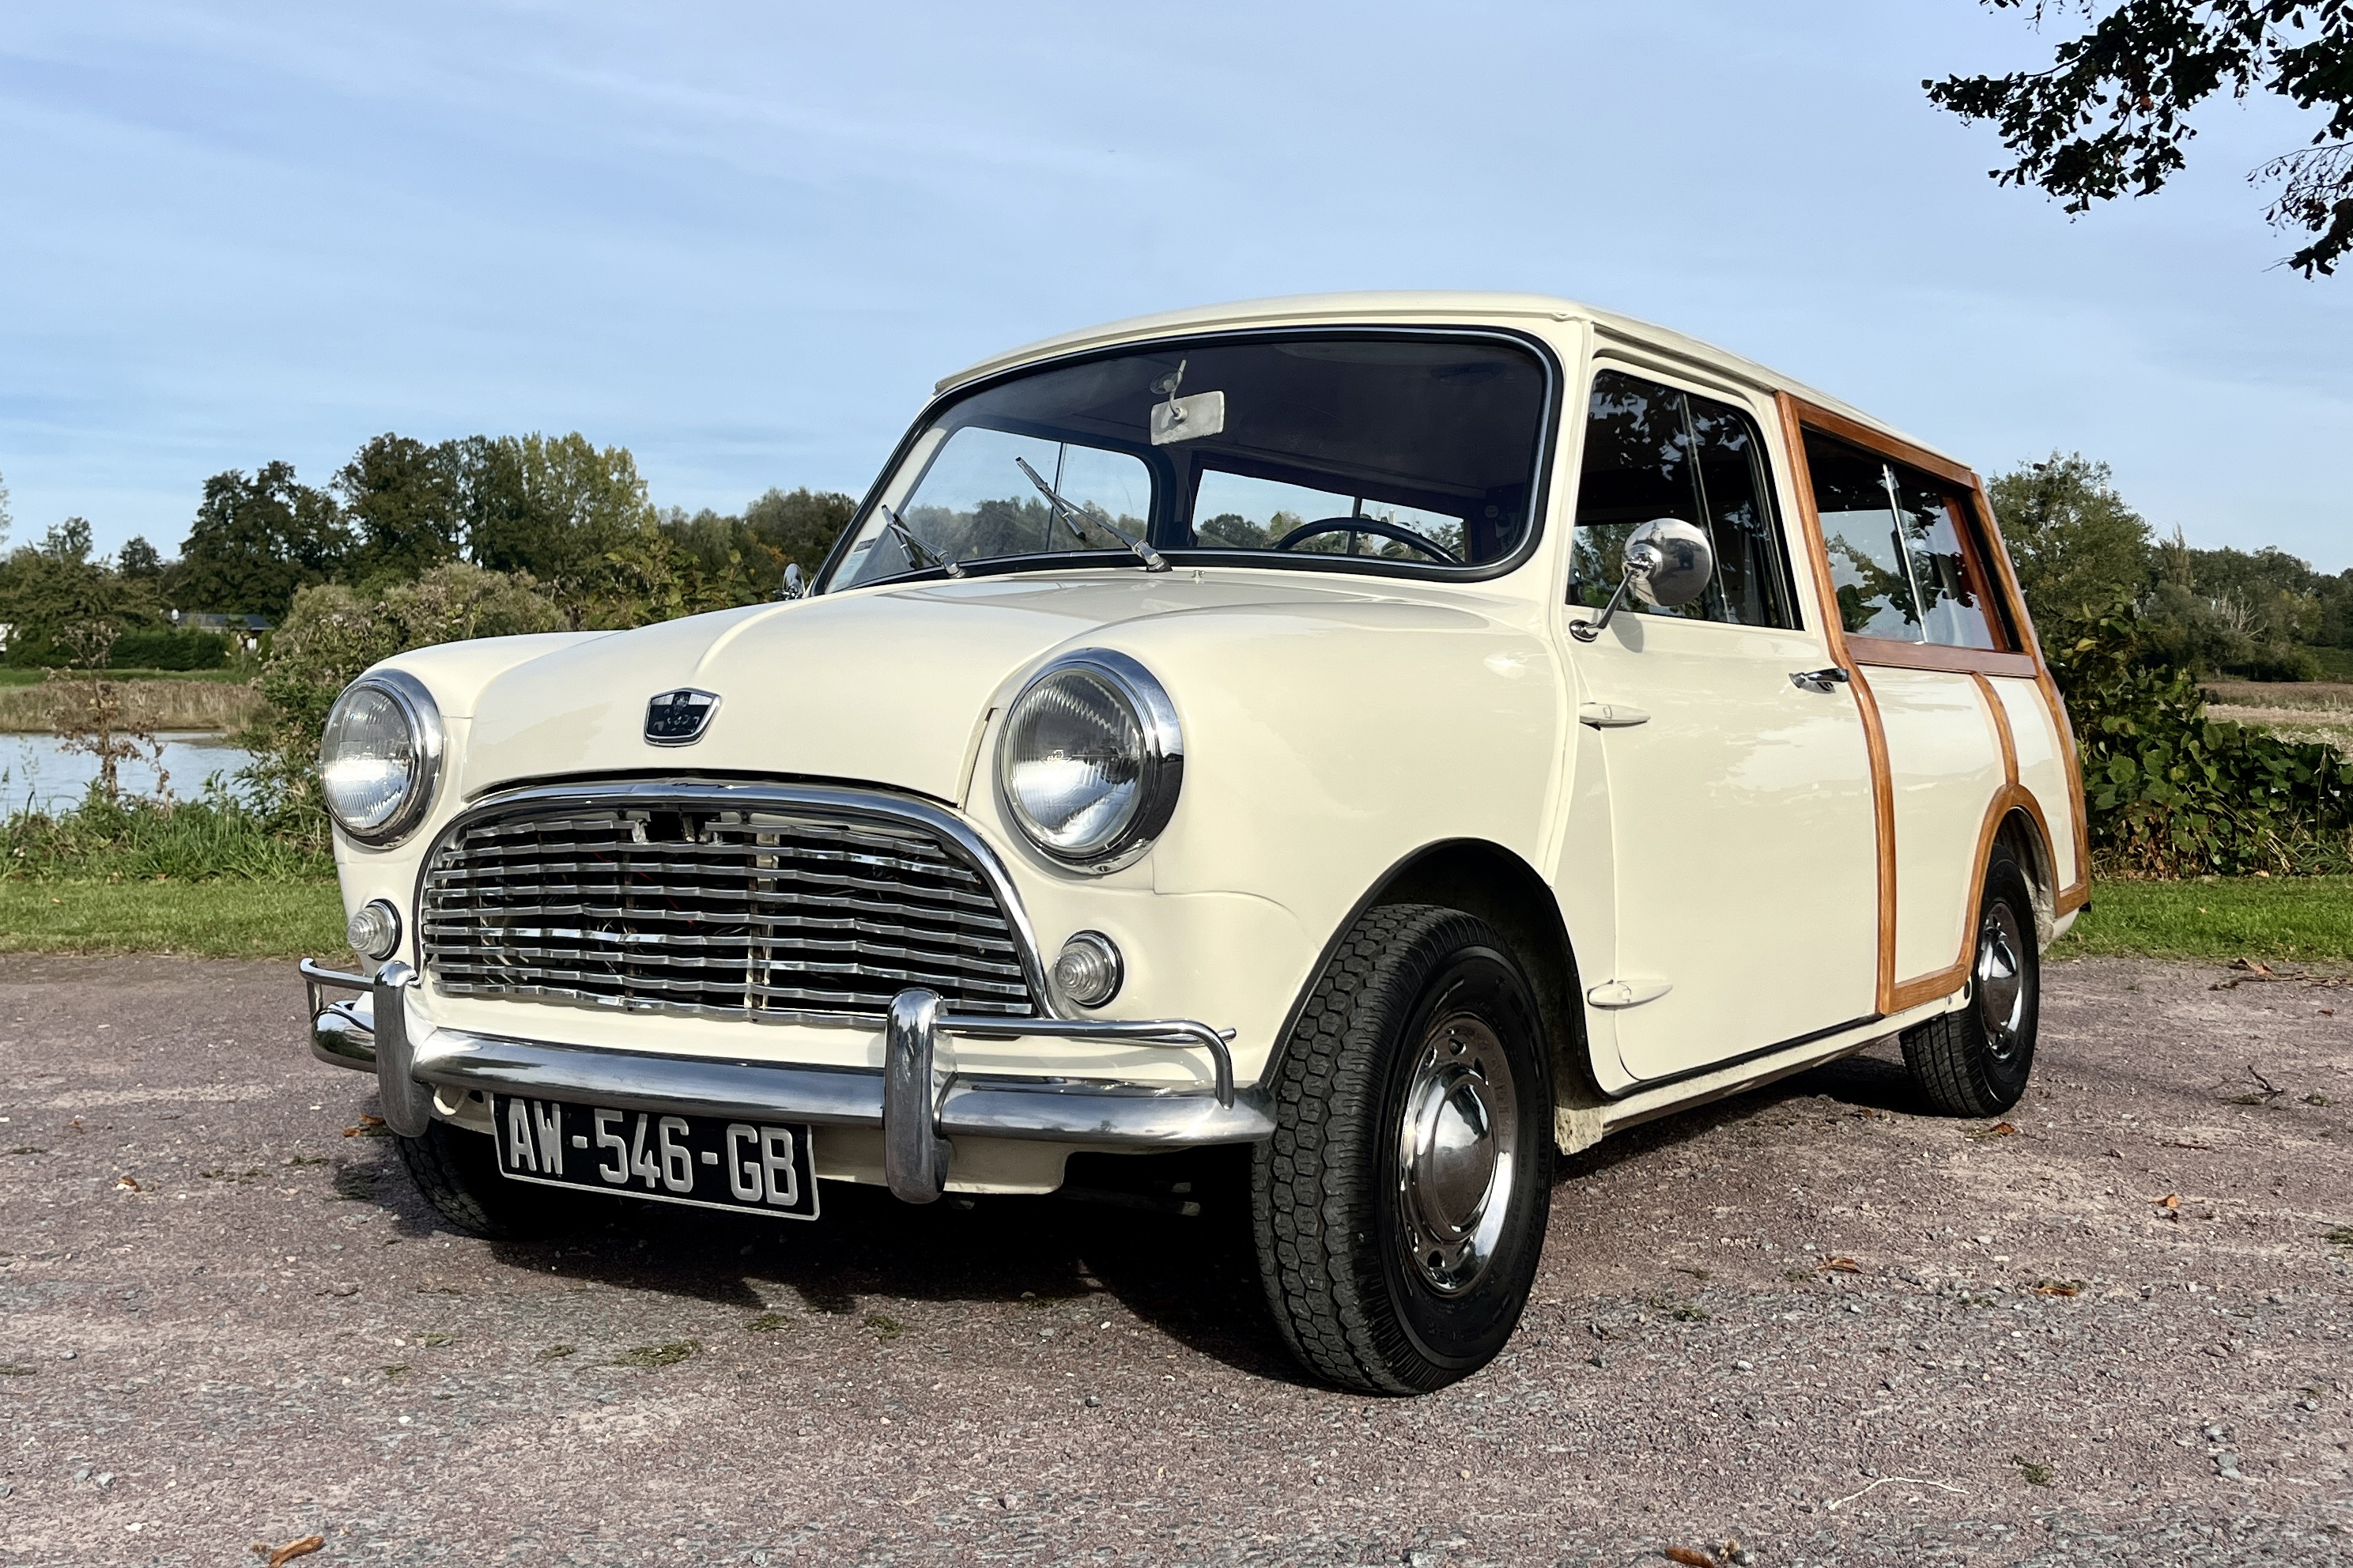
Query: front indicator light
point(1089, 969)
point(373, 929)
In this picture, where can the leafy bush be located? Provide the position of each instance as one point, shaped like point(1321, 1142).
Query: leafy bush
point(2173, 794)
point(332, 635)
point(170, 650)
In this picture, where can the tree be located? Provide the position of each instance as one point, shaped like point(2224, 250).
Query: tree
point(2111, 115)
point(405, 500)
point(256, 541)
point(552, 507)
point(137, 562)
point(49, 589)
point(801, 525)
point(2075, 542)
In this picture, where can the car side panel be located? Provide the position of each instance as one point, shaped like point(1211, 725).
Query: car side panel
point(1944, 763)
point(2042, 770)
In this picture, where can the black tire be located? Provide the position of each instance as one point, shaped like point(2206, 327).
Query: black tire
point(458, 1173)
point(1422, 1010)
point(1976, 1062)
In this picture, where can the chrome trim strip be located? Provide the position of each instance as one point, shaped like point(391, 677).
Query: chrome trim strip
point(915, 1155)
point(408, 1104)
point(343, 1035)
point(972, 1104)
point(1160, 1030)
point(952, 831)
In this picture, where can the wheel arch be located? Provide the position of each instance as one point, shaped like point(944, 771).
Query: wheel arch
point(2020, 833)
point(1484, 879)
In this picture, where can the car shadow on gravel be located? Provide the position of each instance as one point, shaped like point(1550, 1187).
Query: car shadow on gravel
point(1167, 1237)
point(1874, 1080)
point(1180, 1261)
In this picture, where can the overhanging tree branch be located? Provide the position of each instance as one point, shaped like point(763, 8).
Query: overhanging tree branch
point(2110, 115)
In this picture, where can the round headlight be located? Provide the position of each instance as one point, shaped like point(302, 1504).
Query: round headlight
point(379, 756)
point(1090, 760)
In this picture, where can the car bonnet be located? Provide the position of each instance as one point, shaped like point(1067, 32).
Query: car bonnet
point(887, 686)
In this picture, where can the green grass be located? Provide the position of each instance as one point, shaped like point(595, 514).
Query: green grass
point(2289, 919)
point(206, 919)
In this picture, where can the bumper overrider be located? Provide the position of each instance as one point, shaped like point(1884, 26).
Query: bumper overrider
point(917, 1099)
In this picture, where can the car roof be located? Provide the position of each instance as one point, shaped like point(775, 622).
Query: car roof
point(1427, 308)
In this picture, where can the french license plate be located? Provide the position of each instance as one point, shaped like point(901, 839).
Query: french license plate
point(762, 1168)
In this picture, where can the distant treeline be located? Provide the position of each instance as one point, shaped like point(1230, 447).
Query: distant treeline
point(558, 517)
point(2082, 552)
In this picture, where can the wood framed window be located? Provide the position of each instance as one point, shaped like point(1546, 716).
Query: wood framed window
point(1909, 563)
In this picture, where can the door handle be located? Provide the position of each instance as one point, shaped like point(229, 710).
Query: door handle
point(1824, 680)
point(1610, 716)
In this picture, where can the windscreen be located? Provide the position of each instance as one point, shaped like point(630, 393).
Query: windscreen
point(1416, 453)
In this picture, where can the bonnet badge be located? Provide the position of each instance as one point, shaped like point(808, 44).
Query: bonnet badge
point(679, 717)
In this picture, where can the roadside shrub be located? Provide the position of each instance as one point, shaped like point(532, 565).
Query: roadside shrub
point(169, 651)
point(332, 635)
point(2173, 794)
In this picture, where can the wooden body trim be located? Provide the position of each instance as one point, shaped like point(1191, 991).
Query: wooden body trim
point(1856, 653)
point(1814, 417)
point(1999, 717)
point(1936, 656)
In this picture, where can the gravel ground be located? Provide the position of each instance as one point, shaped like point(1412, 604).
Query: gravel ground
point(2116, 1330)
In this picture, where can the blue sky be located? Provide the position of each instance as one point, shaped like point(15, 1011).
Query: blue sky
point(743, 240)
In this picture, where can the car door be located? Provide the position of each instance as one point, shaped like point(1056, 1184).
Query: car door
point(1741, 810)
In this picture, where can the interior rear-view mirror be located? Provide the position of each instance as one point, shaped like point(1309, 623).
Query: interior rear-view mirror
point(1185, 418)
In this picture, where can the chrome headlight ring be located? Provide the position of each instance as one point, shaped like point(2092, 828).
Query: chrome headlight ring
point(421, 717)
point(1100, 808)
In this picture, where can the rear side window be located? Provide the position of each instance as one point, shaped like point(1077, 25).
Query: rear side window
point(1657, 451)
point(1904, 556)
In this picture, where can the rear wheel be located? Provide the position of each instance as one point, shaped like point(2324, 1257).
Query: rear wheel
point(458, 1173)
point(1400, 1205)
point(1975, 1060)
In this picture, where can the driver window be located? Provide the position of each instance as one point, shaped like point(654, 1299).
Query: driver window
point(1238, 512)
point(1657, 451)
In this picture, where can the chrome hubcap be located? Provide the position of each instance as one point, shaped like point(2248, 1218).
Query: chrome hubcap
point(2002, 980)
point(1456, 1153)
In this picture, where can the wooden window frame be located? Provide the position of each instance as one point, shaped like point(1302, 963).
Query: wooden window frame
point(1979, 541)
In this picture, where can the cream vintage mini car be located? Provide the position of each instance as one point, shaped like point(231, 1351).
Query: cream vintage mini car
point(1411, 735)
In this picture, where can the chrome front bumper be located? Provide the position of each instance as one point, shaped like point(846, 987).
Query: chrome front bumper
point(917, 1103)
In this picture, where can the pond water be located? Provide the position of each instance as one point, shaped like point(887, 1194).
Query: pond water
point(35, 770)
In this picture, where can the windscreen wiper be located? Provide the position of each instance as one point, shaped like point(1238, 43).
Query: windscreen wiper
point(914, 546)
point(1076, 520)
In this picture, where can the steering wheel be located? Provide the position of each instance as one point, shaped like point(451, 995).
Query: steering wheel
point(1375, 526)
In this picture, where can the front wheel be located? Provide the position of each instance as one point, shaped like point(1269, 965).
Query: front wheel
point(1400, 1205)
point(456, 1171)
point(1975, 1062)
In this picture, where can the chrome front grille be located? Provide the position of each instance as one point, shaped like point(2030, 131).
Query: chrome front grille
point(719, 901)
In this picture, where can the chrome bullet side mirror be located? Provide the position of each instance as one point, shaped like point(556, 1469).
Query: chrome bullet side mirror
point(1668, 563)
